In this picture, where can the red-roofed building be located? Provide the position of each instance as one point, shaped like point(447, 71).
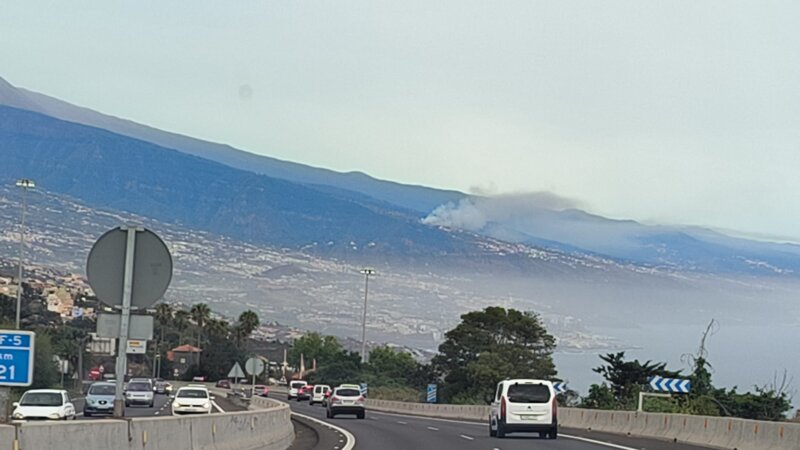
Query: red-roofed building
point(183, 357)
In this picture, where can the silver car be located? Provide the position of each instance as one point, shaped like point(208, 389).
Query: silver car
point(99, 399)
point(139, 393)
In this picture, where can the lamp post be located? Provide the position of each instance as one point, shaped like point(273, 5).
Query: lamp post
point(367, 273)
point(26, 185)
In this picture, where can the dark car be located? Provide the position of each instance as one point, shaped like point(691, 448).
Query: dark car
point(225, 384)
point(304, 393)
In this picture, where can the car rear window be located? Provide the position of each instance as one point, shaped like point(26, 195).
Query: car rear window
point(348, 392)
point(528, 393)
point(102, 389)
point(193, 393)
point(297, 385)
point(139, 386)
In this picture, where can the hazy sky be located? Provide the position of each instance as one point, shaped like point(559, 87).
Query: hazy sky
point(682, 112)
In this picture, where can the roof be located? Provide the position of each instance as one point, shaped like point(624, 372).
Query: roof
point(186, 348)
point(46, 391)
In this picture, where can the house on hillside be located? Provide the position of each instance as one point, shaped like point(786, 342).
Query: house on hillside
point(183, 357)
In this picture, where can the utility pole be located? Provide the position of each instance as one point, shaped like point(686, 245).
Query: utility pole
point(26, 185)
point(367, 273)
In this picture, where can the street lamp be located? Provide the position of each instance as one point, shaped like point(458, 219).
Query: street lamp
point(367, 273)
point(26, 185)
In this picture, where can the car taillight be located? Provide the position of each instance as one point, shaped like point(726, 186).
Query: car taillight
point(555, 409)
point(503, 407)
point(361, 399)
point(334, 399)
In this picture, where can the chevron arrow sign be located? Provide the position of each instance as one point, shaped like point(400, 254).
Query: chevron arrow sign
point(560, 388)
point(672, 385)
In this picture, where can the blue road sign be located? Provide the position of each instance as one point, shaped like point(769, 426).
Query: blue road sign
point(673, 385)
point(363, 388)
point(560, 387)
point(16, 357)
point(431, 397)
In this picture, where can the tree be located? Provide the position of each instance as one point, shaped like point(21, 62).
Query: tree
point(218, 328)
point(325, 349)
point(163, 316)
point(626, 378)
point(389, 367)
point(181, 323)
point(200, 313)
point(490, 345)
point(249, 321)
point(343, 369)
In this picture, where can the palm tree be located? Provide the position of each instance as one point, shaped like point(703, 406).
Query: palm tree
point(163, 316)
point(249, 321)
point(181, 322)
point(217, 328)
point(201, 314)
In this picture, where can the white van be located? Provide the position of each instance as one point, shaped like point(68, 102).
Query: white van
point(320, 394)
point(294, 388)
point(524, 406)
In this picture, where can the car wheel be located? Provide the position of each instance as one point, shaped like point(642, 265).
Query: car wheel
point(87, 414)
point(328, 414)
point(152, 404)
point(362, 415)
point(492, 433)
point(553, 434)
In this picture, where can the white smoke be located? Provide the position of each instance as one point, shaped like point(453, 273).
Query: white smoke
point(473, 213)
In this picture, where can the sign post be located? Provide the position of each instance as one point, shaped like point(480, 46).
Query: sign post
point(254, 366)
point(128, 267)
point(16, 364)
point(664, 387)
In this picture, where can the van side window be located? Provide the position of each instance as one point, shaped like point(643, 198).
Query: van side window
point(499, 391)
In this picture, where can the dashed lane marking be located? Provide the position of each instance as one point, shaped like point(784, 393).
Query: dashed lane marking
point(433, 428)
point(469, 438)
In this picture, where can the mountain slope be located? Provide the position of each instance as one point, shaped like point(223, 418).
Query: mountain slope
point(419, 199)
point(113, 171)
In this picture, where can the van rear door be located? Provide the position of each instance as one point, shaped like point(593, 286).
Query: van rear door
point(529, 403)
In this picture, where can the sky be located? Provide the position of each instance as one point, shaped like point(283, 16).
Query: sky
point(681, 112)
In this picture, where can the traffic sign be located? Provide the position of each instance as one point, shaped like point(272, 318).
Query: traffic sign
point(254, 366)
point(560, 387)
point(236, 372)
point(363, 389)
point(431, 397)
point(16, 357)
point(673, 385)
point(152, 268)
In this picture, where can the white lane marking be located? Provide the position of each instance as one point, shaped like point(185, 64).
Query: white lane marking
point(464, 436)
point(215, 405)
point(568, 436)
point(433, 428)
point(592, 441)
point(402, 423)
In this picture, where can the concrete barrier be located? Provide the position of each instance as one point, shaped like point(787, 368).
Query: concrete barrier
point(267, 428)
point(718, 432)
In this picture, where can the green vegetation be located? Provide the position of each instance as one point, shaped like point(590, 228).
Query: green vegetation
point(489, 346)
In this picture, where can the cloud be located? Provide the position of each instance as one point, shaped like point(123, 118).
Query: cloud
point(474, 213)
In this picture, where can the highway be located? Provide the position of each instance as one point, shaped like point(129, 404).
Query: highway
point(161, 407)
point(398, 432)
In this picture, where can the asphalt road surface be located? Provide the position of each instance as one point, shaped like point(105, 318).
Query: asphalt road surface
point(397, 432)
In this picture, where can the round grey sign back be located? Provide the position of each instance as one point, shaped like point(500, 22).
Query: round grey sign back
point(152, 268)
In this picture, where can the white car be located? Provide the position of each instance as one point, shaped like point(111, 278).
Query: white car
point(320, 394)
point(192, 399)
point(294, 389)
point(50, 404)
point(346, 400)
point(139, 393)
point(524, 406)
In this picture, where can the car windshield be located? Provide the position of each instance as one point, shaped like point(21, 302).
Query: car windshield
point(528, 393)
point(193, 393)
point(102, 389)
point(41, 399)
point(347, 392)
point(260, 387)
point(139, 386)
point(297, 385)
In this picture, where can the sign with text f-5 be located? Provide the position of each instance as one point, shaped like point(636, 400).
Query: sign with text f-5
point(16, 357)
